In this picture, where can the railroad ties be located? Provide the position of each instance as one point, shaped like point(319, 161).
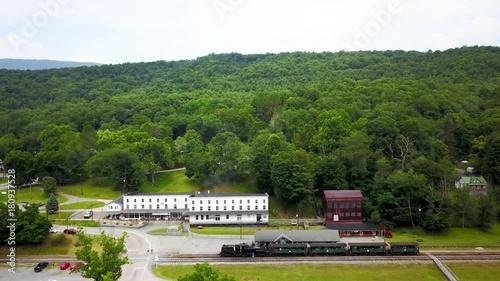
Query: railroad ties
point(443, 268)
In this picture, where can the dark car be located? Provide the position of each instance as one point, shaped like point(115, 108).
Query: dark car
point(71, 231)
point(40, 266)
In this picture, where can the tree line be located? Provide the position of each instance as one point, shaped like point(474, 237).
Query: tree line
point(392, 124)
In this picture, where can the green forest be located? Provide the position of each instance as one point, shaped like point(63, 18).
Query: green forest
point(394, 124)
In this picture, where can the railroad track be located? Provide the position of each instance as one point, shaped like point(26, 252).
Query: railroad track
point(213, 259)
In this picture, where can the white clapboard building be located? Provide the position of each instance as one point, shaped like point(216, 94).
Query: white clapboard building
point(201, 208)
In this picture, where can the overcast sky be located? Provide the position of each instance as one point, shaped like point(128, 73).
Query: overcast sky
point(117, 31)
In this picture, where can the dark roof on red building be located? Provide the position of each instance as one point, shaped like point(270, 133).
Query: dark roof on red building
point(332, 194)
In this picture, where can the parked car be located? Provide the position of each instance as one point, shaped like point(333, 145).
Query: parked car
point(88, 214)
point(74, 266)
point(64, 265)
point(40, 266)
point(71, 231)
point(52, 230)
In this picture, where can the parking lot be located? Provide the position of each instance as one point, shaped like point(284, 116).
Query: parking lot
point(51, 273)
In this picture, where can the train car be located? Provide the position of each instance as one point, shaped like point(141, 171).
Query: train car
point(287, 249)
point(328, 248)
point(404, 248)
point(368, 248)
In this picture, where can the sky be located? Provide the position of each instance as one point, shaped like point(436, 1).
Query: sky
point(119, 31)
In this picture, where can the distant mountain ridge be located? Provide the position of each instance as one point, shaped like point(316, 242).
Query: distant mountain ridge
point(24, 64)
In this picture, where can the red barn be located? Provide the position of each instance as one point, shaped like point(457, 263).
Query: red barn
point(343, 206)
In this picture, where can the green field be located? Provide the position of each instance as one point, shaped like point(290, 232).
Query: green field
point(175, 181)
point(3, 180)
point(91, 191)
point(245, 230)
point(59, 215)
point(452, 237)
point(77, 223)
point(55, 244)
point(476, 271)
point(316, 272)
point(35, 195)
point(82, 205)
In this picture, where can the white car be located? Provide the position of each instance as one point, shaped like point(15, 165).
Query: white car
point(52, 230)
point(88, 215)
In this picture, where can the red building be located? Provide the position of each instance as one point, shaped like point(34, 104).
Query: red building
point(343, 206)
point(343, 211)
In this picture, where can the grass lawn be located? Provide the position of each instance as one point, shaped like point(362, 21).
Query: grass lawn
point(475, 271)
point(3, 180)
point(82, 205)
point(245, 230)
point(452, 237)
point(91, 191)
point(175, 181)
point(36, 195)
point(59, 215)
point(55, 244)
point(315, 272)
point(77, 223)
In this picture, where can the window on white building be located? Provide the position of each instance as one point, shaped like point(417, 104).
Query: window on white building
point(175, 206)
point(196, 217)
point(225, 208)
point(185, 206)
point(201, 217)
point(216, 208)
point(264, 201)
point(201, 208)
point(142, 206)
point(209, 208)
point(192, 208)
point(157, 206)
point(206, 217)
point(127, 200)
point(263, 207)
point(224, 201)
point(248, 201)
point(185, 199)
point(256, 201)
point(241, 208)
point(165, 200)
point(150, 207)
point(135, 206)
point(208, 201)
point(217, 217)
point(201, 201)
point(248, 208)
point(135, 200)
point(256, 207)
point(142, 200)
point(157, 200)
point(216, 201)
point(232, 208)
point(175, 199)
point(238, 217)
point(149, 200)
point(227, 217)
point(241, 201)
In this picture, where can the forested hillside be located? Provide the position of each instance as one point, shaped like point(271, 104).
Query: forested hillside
point(393, 124)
